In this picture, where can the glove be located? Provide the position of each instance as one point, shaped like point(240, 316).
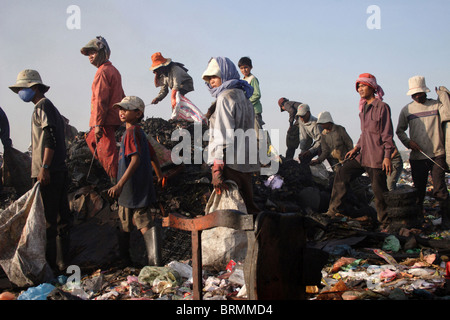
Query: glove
point(217, 176)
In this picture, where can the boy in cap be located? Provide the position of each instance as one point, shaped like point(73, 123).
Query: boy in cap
point(245, 65)
point(106, 90)
point(134, 189)
point(335, 141)
point(373, 151)
point(292, 135)
point(48, 163)
point(426, 140)
point(169, 74)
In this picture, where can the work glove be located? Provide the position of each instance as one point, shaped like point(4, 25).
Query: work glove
point(217, 176)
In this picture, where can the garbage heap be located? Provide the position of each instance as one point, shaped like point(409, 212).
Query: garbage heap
point(408, 262)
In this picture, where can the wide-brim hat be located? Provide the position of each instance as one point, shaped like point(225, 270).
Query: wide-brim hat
point(131, 103)
point(324, 117)
point(159, 61)
point(28, 78)
point(416, 85)
point(303, 110)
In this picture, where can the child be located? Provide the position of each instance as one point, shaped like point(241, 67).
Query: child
point(246, 66)
point(134, 189)
point(171, 75)
point(48, 164)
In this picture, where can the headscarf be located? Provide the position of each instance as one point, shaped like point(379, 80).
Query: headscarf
point(371, 81)
point(101, 46)
point(230, 79)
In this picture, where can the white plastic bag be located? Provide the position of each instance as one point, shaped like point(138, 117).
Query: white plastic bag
point(186, 110)
point(23, 240)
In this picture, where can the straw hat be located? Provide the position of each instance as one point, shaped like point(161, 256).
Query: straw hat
point(416, 85)
point(131, 103)
point(26, 79)
point(159, 61)
point(324, 117)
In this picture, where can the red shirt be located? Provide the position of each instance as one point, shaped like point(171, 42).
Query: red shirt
point(376, 140)
point(106, 91)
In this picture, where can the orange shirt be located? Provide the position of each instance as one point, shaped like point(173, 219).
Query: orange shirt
point(106, 91)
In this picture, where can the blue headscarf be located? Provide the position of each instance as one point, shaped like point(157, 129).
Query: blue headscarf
point(230, 79)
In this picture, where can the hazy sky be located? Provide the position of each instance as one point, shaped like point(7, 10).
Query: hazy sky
point(308, 51)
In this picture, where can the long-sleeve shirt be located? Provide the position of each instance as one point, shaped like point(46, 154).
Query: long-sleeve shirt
point(376, 140)
point(106, 91)
point(334, 144)
point(291, 108)
point(255, 98)
point(231, 139)
point(424, 123)
point(310, 135)
point(177, 79)
point(4, 129)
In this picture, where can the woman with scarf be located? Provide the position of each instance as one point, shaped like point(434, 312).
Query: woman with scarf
point(106, 91)
point(372, 153)
point(232, 150)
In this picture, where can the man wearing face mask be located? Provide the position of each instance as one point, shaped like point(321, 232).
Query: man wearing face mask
point(426, 140)
point(106, 91)
point(48, 163)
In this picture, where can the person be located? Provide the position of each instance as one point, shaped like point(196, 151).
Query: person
point(293, 134)
point(245, 65)
point(231, 159)
point(104, 120)
point(169, 74)
point(426, 141)
point(134, 190)
point(372, 153)
point(48, 166)
point(4, 137)
point(310, 135)
point(335, 142)
point(397, 169)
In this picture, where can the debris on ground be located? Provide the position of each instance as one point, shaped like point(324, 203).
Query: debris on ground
point(408, 262)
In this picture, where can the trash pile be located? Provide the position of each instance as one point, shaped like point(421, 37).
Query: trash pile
point(409, 262)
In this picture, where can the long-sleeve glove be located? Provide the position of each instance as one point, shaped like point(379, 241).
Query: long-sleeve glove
point(217, 176)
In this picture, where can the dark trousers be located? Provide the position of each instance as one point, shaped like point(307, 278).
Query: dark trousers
point(57, 214)
point(350, 171)
point(420, 170)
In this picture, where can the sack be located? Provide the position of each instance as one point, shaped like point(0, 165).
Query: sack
point(186, 110)
point(163, 154)
point(230, 199)
point(23, 240)
point(221, 244)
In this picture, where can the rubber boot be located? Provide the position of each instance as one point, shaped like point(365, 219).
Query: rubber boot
point(124, 248)
point(152, 240)
point(62, 248)
point(445, 213)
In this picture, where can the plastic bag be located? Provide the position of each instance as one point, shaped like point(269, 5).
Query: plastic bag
point(23, 240)
point(186, 110)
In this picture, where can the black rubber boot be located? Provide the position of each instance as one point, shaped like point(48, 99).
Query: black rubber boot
point(152, 240)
